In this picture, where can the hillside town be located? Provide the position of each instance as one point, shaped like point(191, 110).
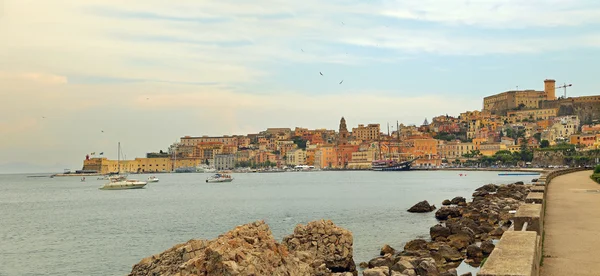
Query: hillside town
point(510, 129)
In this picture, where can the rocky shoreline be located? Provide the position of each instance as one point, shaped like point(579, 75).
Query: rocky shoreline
point(466, 232)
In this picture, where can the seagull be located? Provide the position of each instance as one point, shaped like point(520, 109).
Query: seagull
point(302, 50)
point(102, 131)
point(343, 23)
point(341, 81)
point(43, 117)
point(147, 98)
point(321, 73)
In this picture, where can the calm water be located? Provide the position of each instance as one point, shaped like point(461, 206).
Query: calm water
point(62, 226)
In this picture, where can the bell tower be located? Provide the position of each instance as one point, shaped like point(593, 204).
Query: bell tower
point(343, 132)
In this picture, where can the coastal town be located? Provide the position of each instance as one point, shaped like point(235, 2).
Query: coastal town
point(513, 128)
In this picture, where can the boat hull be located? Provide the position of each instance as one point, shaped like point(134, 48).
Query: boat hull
point(123, 187)
point(394, 168)
point(152, 180)
point(218, 180)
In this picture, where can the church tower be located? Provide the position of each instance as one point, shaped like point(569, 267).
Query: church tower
point(343, 139)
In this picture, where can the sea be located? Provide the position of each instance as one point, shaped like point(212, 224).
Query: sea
point(62, 226)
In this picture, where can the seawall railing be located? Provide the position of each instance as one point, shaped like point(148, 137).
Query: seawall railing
point(519, 251)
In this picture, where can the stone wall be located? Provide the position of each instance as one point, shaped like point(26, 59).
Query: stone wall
point(519, 251)
point(585, 110)
point(546, 158)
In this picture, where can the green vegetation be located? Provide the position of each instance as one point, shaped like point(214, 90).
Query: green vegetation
point(506, 157)
point(452, 136)
point(559, 147)
point(596, 175)
point(301, 143)
point(544, 144)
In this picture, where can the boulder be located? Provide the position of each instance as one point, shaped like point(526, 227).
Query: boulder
point(474, 252)
point(386, 249)
point(446, 202)
point(519, 183)
point(446, 212)
point(497, 232)
point(377, 271)
point(427, 268)
point(439, 231)
point(459, 241)
point(402, 265)
point(487, 247)
point(386, 261)
point(422, 207)
point(326, 242)
point(458, 200)
point(416, 245)
point(247, 249)
point(450, 272)
point(462, 204)
point(363, 265)
point(466, 274)
point(490, 188)
point(450, 254)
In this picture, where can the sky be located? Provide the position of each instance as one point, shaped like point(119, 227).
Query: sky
point(79, 76)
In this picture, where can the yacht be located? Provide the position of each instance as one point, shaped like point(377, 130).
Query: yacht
point(218, 178)
point(152, 179)
point(122, 183)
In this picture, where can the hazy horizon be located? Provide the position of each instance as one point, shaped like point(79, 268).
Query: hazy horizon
point(149, 72)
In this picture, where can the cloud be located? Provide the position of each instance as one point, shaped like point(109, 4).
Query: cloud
point(42, 78)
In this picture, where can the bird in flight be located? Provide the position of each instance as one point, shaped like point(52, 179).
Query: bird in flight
point(341, 81)
point(321, 73)
point(343, 23)
point(102, 131)
point(147, 98)
point(302, 50)
point(43, 117)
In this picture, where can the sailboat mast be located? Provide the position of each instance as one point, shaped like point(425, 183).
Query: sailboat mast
point(389, 140)
point(119, 159)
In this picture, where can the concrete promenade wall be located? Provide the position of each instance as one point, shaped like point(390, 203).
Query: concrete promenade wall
point(519, 251)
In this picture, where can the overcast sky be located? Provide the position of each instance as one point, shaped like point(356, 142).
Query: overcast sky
point(147, 72)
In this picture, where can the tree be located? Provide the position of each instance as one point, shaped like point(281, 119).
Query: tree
point(301, 143)
point(544, 144)
point(538, 136)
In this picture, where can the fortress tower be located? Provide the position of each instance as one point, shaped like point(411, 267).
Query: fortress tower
point(550, 89)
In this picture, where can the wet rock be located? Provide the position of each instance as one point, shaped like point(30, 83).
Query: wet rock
point(490, 188)
point(462, 204)
point(519, 183)
point(386, 249)
point(415, 245)
point(447, 212)
point(474, 252)
point(377, 271)
point(480, 194)
point(450, 272)
point(446, 202)
point(458, 200)
point(386, 261)
point(363, 265)
point(487, 247)
point(439, 231)
point(466, 274)
point(422, 207)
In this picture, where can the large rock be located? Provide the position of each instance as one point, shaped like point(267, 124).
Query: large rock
point(490, 188)
point(474, 252)
point(487, 247)
point(377, 271)
point(427, 268)
point(415, 245)
point(439, 231)
point(450, 254)
point(422, 207)
point(446, 212)
point(326, 242)
point(248, 249)
point(386, 249)
point(459, 241)
point(446, 202)
point(458, 200)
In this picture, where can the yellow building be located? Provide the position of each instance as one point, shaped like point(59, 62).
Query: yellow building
point(193, 141)
point(533, 114)
point(503, 102)
point(370, 132)
point(139, 165)
point(453, 150)
point(363, 159)
point(489, 149)
point(296, 157)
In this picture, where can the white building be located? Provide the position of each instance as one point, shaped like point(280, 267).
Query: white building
point(224, 161)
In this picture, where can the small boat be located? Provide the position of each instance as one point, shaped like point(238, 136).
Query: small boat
point(83, 179)
point(122, 183)
point(217, 178)
point(152, 179)
point(507, 174)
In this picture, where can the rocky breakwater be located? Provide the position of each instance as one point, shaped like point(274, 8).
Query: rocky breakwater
point(465, 233)
point(319, 248)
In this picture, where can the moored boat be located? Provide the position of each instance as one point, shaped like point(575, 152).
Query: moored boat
point(122, 183)
point(152, 179)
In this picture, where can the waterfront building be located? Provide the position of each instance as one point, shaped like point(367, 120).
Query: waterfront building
point(224, 162)
point(454, 149)
point(296, 157)
point(325, 157)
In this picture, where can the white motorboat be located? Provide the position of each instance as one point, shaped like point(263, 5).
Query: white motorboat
point(122, 183)
point(217, 178)
point(152, 179)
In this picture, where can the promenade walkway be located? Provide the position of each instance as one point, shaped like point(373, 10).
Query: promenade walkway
point(572, 226)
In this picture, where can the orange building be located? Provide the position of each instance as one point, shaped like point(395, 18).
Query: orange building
point(326, 157)
point(344, 155)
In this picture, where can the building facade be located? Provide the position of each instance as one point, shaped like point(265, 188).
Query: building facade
point(224, 162)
